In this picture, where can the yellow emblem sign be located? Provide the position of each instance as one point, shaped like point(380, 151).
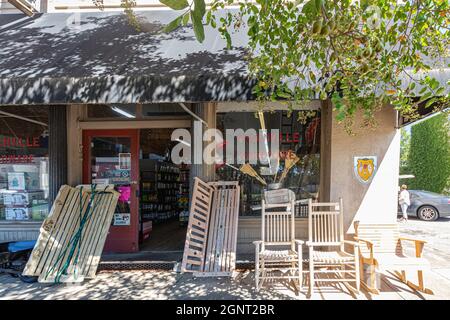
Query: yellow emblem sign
point(365, 168)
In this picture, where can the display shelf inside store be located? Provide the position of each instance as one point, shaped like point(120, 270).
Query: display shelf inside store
point(159, 187)
point(183, 196)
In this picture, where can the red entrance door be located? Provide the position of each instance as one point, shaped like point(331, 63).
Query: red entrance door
point(112, 157)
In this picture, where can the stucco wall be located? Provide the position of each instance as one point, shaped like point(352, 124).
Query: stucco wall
point(377, 200)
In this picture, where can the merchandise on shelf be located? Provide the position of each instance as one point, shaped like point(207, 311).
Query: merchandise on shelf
point(23, 181)
point(18, 213)
point(39, 209)
point(183, 196)
point(146, 229)
point(184, 217)
point(21, 198)
point(24, 205)
point(183, 202)
point(159, 190)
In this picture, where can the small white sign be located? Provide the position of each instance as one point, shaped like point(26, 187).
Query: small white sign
point(100, 181)
point(124, 161)
point(121, 219)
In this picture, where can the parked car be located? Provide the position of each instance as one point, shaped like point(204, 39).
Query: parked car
point(427, 205)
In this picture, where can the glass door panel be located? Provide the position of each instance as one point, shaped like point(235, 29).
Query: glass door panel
point(111, 159)
point(111, 164)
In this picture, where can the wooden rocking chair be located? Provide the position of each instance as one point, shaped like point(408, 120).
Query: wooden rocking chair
point(278, 255)
point(381, 250)
point(327, 255)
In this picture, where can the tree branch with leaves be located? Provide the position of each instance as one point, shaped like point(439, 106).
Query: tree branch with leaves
point(360, 54)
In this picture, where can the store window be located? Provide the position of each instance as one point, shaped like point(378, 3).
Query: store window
point(298, 139)
point(24, 163)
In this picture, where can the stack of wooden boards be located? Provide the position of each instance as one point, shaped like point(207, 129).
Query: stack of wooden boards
point(210, 248)
point(82, 213)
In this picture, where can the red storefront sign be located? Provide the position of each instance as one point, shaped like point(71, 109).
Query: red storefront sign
point(16, 142)
point(27, 142)
point(13, 158)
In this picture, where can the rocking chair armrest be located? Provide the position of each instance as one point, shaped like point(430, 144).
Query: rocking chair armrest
point(412, 239)
point(257, 243)
point(312, 244)
point(369, 245)
point(299, 242)
point(419, 244)
point(367, 242)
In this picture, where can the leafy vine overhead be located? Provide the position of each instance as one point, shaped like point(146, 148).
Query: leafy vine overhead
point(360, 54)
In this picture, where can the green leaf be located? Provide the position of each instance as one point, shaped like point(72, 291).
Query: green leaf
point(364, 4)
point(185, 19)
point(318, 4)
point(197, 23)
point(200, 7)
point(175, 4)
point(173, 24)
point(340, 116)
point(310, 7)
point(312, 76)
point(440, 91)
point(430, 102)
point(228, 38)
point(197, 19)
point(425, 97)
point(284, 95)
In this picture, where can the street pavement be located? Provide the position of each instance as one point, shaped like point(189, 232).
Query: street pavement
point(158, 284)
point(437, 248)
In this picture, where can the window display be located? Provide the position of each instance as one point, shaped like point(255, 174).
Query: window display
point(24, 164)
point(298, 168)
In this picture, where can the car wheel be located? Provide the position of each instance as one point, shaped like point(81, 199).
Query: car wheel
point(427, 213)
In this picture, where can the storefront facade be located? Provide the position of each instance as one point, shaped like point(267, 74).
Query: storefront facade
point(113, 100)
point(301, 138)
point(326, 171)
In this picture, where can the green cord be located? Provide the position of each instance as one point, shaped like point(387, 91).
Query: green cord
point(77, 238)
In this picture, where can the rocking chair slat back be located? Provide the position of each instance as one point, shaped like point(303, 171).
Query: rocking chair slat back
point(325, 226)
point(278, 227)
point(385, 237)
